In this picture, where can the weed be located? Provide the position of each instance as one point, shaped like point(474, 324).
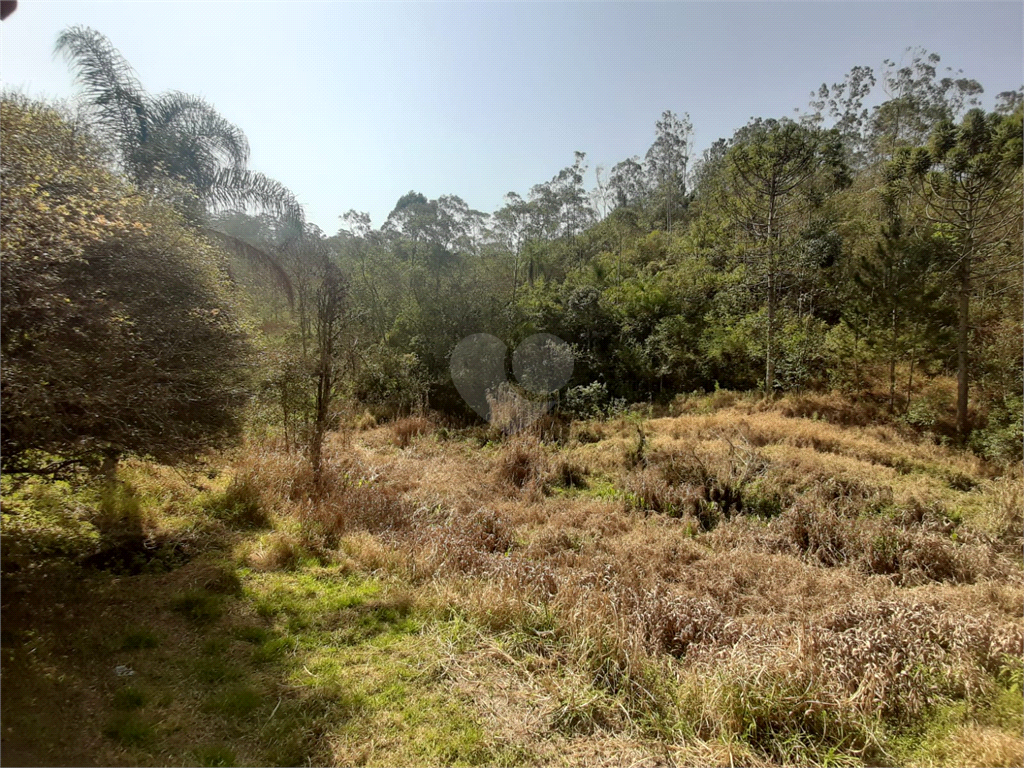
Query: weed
point(404, 430)
point(237, 701)
point(270, 650)
point(215, 756)
point(252, 634)
point(199, 605)
point(136, 639)
point(215, 670)
point(128, 729)
point(129, 698)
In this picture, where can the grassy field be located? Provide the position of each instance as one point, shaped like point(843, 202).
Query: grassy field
point(740, 583)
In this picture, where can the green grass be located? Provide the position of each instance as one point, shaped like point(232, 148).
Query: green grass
point(136, 639)
point(199, 605)
point(129, 729)
point(236, 701)
point(216, 670)
point(215, 755)
point(129, 698)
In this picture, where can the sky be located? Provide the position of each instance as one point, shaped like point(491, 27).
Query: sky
point(351, 105)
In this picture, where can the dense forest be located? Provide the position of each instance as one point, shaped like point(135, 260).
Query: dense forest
point(850, 248)
point(858, 263)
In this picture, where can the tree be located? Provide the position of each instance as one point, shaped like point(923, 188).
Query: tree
point(667, 161)
point(119, 333)
point(169, 136)
point(627, 183)
point(845, 103)
point(896, 307)
point(329, 326)
point(175, 146)
point(513, 224)
point(969, 181)
point(774, 175)
point(918, 100)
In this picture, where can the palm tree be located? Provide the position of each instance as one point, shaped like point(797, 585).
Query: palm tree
point(175, 145)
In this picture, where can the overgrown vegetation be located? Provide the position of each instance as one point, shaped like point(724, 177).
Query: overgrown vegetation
point(767, 588)
point(248, 518)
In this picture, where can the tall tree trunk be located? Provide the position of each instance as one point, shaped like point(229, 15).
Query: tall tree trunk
point(323, 405)
point(892, 383)
point(962, 340)
point(910, 379)
point(769, 375)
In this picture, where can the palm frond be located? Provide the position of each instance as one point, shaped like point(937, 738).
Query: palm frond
point(257, 257)
point(240, 189)
point(193, 116)
point(109, 85)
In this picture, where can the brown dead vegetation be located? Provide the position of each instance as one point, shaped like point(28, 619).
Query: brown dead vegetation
point(743, 586)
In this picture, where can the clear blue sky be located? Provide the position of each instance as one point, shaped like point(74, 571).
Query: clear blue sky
point(353, 104)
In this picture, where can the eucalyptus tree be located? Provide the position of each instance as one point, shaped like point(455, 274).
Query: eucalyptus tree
point(627, 183)
point(513, 225)
point(918, 99)
point(844, 102)
point(667, 161)
point(968, 179)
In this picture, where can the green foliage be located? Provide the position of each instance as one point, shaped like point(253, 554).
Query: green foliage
point(119, 331)
point(1002, 436)
point(239, 504)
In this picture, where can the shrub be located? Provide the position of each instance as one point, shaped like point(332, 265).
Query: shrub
point(240, 504)
point(568, 474)
point(1002, 437)
point(116, 283)
point(590, 401)
point(404, 430)
point(522, 462)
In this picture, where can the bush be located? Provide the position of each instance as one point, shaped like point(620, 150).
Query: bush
point(522, 462)
point(568, 474)
point(97, 281)
point(240, 504)
point(1002, 437)
point(404, 430)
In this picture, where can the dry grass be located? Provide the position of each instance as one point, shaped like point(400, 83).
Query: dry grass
point(405, 429)
point(757, 587)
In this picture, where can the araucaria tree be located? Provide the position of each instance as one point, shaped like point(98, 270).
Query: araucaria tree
point(774, 176)
point(968, 180)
